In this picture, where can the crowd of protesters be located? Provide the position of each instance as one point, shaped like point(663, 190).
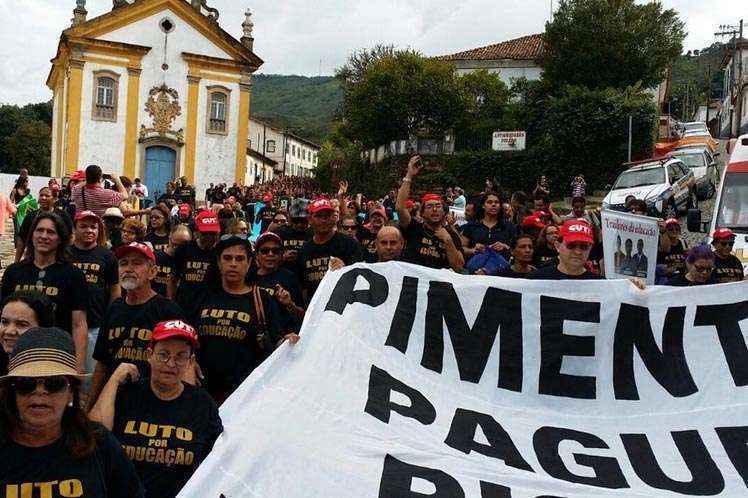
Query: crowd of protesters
point(127, 320)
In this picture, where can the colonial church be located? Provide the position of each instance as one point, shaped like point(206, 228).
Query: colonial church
point(154, 89)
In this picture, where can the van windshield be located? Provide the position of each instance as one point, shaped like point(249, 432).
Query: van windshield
point(691, 160)
point(733, 205)
point(640, 178)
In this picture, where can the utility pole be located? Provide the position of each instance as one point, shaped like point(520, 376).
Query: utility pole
point(736, 32)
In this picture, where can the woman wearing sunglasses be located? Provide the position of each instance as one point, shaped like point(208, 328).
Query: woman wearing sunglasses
point(21, 311)
point(238, 324)
point(47, 445)
point(182, 419)
point(699, 268)
point(278, 281)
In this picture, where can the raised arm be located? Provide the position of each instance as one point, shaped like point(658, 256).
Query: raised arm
point(103, 410)
point(414, 167)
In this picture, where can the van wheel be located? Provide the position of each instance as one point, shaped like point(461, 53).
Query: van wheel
point(670, 211)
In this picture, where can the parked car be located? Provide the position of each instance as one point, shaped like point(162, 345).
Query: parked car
point(731, 205)
point(665, 184)
point(695, 127)
point(704, 166)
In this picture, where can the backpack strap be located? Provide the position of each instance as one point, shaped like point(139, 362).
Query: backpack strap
point(259, 307)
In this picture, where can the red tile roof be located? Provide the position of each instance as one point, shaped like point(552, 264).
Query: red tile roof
point(524, 48)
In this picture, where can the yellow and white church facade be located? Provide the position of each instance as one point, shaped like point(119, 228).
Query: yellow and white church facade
point(154, 89)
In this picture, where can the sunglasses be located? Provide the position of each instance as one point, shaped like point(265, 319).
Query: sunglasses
point(270, 250)
point(726, 243)
point(582, 246)
point(703, 269)
point(232, 236)
point(27, 385)
point(349, 227)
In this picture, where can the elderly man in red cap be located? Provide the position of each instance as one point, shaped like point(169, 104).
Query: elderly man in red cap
point(126, 327)
point(575, 240)
point(328, 249)
point(727, 266)
point(428, 242)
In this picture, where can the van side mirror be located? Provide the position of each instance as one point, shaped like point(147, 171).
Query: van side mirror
point(693, 221)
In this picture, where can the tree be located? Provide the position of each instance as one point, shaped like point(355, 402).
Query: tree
point(359, 62)
point(29, 147)
point(611, 43)
point(483, 100)
point(398, 96)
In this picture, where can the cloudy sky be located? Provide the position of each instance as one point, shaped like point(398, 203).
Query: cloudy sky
point(311, 38)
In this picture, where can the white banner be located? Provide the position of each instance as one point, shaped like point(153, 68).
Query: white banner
point(630, 243)
point(410, 382)
point(509, 140)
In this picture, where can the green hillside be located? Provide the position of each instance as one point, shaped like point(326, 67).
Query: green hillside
point(305, 105)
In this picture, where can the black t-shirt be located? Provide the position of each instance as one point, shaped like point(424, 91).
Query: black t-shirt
point(28, 220)
point(675, 258)
point(165, 440)
point(508, 272)
point(99, 266)
point(680, 280)
point(64, 284)
point(424, 248)
point(314, 259)
point(192, 267)
point(3, 362)
point(51, 472)
point(287, 280)
point(126, 331)
point(728, 269)
point(159, 242)
point(293, 240)
point(185, 194)
point(368, 241)
point(164, 272)
point(478, 233)
point(544, 256)
point(231, 337)
point(553, 273)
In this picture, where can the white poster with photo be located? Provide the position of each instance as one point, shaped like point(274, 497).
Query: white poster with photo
point(630, 243)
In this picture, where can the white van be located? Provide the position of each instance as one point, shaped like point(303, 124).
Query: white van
point(731, 204)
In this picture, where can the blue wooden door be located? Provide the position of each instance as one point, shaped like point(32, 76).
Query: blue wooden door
point(159, 169)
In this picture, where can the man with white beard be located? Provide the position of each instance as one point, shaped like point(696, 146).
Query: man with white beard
point(126, 327)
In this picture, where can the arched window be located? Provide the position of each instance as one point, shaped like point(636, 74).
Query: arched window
point(106, 88)
point(218, 110)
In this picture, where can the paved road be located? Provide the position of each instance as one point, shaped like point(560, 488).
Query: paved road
point(707, 206)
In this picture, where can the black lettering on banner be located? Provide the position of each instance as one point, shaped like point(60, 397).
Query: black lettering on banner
point(554, 345)
point(726, 318)
point(397, 480)
point(491, 490)
point(608, 473)
point(344, 293)
point(668, 367)
point(380, 406)
point(405, 316)
point(706, 478)
point(735, 442)
point(472, 346)
point(462, 438)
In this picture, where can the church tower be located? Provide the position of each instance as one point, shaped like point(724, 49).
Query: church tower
point(154, 89)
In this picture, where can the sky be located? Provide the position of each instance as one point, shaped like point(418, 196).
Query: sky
point(313, 38)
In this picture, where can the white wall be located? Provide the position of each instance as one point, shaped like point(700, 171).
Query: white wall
point(8, 181)
point(507, 74)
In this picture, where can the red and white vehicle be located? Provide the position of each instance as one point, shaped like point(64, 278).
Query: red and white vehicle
point(731, 204)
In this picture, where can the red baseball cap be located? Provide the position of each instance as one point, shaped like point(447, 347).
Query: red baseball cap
point(533, 221)
point(577, 231)
point(207, 221)
point(184, 209)
point(175, 329)
point(672, 221)
point(82, 215)
point(78, 176)
point(321, 205)
point(541, 214)
point(723, 233)
point(268, 237)
point(409, 204)
point(267, 198)
point(136, 247)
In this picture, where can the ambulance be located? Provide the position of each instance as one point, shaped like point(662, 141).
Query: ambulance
point(731, 203)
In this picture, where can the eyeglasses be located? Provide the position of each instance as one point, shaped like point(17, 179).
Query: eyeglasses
point(270, 250)
point(40, 278)
point(703, 269)
point(180, 360)
point(27, 385)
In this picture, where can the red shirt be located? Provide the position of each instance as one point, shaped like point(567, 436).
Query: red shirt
point(96, 198)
